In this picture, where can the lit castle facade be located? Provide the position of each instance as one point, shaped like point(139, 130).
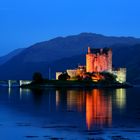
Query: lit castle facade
point(97, 61)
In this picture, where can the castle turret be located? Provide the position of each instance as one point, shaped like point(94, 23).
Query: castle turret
point(89, 51)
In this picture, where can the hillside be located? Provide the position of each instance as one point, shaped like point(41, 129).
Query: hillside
point(5, 58)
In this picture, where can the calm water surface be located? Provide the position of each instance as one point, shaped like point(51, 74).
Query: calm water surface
point(73, 114)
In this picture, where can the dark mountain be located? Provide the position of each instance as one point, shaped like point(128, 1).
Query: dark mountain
point(5, 58)
point(67, 52)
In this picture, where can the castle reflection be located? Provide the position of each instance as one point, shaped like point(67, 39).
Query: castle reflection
point(97, 106)
point(120, 98)
point(98, 109)
point(76, 100)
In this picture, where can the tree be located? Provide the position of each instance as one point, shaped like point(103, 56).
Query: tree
point(64, 76)
point(37, 78)
point(109, 77)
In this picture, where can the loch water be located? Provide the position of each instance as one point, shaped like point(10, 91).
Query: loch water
point(71, 114)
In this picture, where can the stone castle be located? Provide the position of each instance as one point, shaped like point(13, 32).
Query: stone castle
point(97, 61)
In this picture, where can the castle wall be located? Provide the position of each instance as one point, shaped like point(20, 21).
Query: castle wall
point(99, 61)
point(110, 60)
point(121, 75)
point(57, 75)
point(89, 60)
point(72, 73)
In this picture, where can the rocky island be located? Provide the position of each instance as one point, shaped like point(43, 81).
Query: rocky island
point(98, 73)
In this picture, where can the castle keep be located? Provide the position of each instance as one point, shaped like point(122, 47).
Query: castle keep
point(99, 60)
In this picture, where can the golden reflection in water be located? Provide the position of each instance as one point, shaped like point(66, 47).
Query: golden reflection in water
point(75, 100)
point(57, 98)
point(121, 98)
point(81, 101)
point(98, 109)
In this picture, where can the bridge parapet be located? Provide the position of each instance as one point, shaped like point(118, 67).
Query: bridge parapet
point(14, 83)
point(22, 82)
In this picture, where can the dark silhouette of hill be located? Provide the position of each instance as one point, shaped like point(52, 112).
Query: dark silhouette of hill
point(67, 52)
point(5, 58)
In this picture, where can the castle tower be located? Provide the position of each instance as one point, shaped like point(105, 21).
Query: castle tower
point(99, 60)
point(110, 60)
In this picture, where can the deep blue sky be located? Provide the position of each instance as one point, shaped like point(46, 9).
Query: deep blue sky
point(25, 22)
